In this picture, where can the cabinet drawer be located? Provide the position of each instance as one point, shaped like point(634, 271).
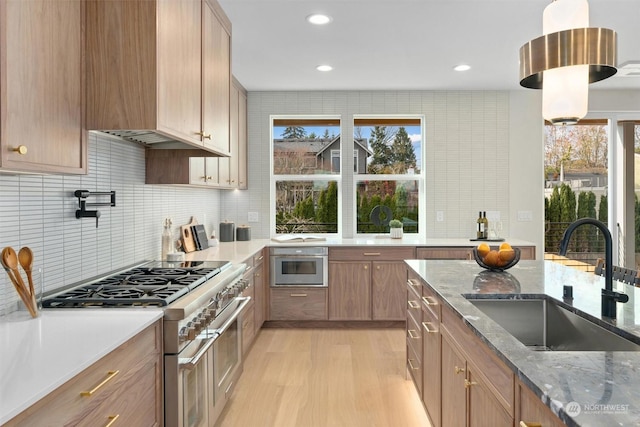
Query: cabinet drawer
point(108, 380)
point(414, 336)
point(414, 366)
point(499, 378)
point(445, 253)
point(258, 258)
point(248, 328)
point(413, 306)
point(371, 253)
point(431, 301)
point(298, 304)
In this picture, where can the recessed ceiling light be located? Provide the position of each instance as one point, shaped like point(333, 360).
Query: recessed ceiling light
point(319, 19)
point(324, 68)
point(462, 67)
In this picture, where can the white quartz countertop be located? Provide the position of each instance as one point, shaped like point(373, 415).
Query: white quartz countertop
point(237, 252)
point(38, 355)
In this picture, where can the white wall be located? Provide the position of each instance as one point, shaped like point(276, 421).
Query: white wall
point(483, 150)
point(39, 212)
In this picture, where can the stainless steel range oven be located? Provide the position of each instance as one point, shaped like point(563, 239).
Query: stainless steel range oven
point(299, 266)
point(202, 331)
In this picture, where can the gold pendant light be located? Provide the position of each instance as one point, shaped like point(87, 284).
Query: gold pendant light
point(566, 58)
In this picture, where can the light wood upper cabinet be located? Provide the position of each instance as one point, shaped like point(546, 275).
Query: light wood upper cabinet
point(233, 169)
point(160, 66)
point(41, 86)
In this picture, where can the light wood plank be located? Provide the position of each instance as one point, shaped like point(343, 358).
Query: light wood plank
point(325, 377)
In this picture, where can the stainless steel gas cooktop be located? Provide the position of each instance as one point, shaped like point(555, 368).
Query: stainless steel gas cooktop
point(154, 283)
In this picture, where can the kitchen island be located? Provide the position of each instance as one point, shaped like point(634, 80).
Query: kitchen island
point(604, 384)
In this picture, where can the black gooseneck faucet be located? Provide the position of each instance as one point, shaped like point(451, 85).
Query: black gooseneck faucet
point(609, 296)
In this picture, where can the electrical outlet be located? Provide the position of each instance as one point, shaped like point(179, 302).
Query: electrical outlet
point(253, 217)
point(525, 216)
point(439, 216)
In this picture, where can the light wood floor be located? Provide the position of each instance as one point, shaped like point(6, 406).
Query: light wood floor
point(325, 377)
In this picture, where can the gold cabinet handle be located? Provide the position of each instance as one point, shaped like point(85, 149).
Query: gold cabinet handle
point(257, 274)
point(21, 149)
point(261, 257)
point(110, 375)
point(468, 383)
point(366, 267)
point(204, 135)
point(413, 334)
point(377, 267)
point(425, 325)
point(112, 419)
point(371, 254)
point(413, 304)
point(412, 282)
point(458, 370)
point(430, 300)
point(523, 424)
point(298, 295)
point(413, 368)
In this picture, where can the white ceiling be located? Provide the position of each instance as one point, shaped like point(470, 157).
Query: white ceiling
point(403, 44)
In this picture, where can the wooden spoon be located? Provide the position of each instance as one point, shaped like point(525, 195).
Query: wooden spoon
point(10, 263)
point(25, 256)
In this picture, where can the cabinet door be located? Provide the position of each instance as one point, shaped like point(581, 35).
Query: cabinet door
point(259, 283)
point(349, 291)
point(431, 369)
point(453, 390)
point(229, 165)
point(179, 70)
point(444, 253)
point(388, 295)
point(483, 409)
point(532, 411)
point(216, 79)
point(41, 90)
point(242, 141)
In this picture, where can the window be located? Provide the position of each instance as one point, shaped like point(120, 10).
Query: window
point(305, 174)
point(576, 185)
point(335, 161)
point(389, 174)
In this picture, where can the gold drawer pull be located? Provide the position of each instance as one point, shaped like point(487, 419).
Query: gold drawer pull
point(110, 375)
point(458, 370)
point(413, 304)
point(204, 135)
point(21, 149)
point(366, 267)
point(468, 383)
point(298, 295)
point(411, 333)
point(413, 368)
point(261, 257)
point(523, 424)
point(371, 254)
point(257, 274)
point(412, 282)
point(113, 419)
point(430, 300)
point(425, 325)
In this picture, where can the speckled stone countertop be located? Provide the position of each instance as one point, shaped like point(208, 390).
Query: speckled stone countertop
point(606, 385)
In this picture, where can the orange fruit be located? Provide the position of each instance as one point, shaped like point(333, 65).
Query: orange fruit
point(492, 258)
point(483, 249)
point(505, 245)
point(506, 255)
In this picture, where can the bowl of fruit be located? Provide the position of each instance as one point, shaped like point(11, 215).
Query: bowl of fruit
point(499, 259)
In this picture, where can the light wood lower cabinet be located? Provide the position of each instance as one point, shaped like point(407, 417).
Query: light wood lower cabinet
point(125, 387)
point(368, 283)
point(453, 390)
point(298, 303)
point(349, 291)
point(259, 280)
point(431, 364)
point(466, 253)
point(531, 411)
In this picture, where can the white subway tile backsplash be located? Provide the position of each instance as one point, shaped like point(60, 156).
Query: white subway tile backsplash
point(39, 212)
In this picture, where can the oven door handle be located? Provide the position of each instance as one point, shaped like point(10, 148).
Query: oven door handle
point(221, 330)
point(193, 361)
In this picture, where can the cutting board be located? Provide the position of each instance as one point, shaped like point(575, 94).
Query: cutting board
point(188, 242)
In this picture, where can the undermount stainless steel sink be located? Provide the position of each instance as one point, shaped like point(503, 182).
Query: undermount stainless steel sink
point(542, 325)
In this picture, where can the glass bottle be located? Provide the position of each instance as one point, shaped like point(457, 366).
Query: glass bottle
point(480, 226)
point(167, 247)
point(485, 222)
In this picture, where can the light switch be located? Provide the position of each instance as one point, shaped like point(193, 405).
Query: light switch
point(253, 217)
point(439, 216)
point(525, 216)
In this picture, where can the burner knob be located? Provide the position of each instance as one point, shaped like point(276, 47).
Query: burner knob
point(191, 333)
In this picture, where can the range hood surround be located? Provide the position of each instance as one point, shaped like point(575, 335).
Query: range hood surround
point(152, 139)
